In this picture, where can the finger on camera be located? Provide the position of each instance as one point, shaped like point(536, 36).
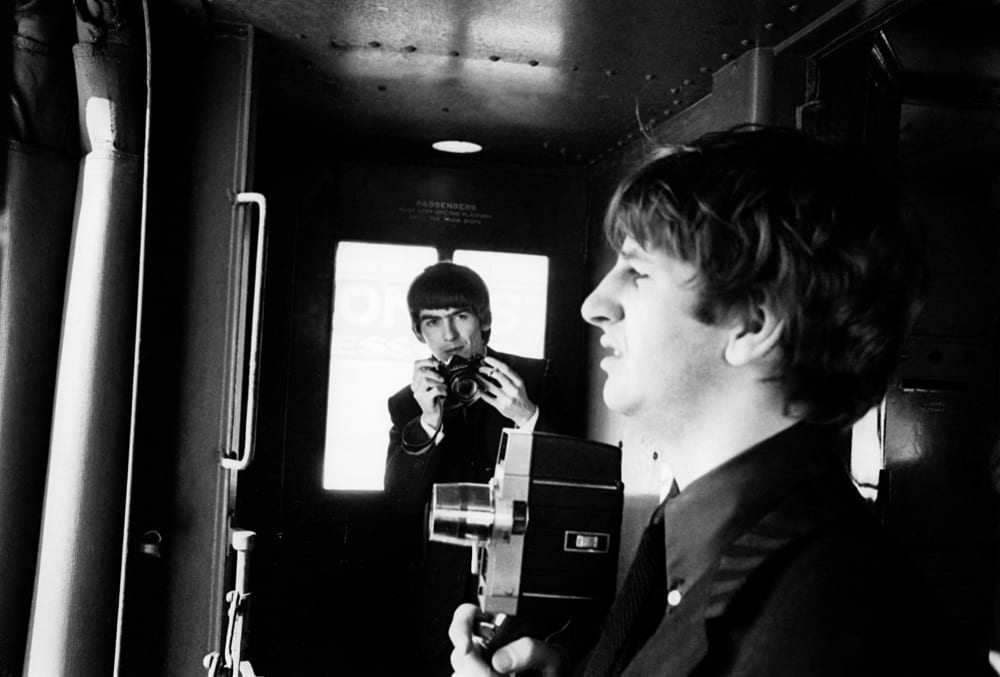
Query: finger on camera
point(463, 620)
point(527, 653)
point(422, 384)
point(469, 664)
point(507, 372)
point(491, 362)
point(429, 396)
point(490, 372)
point(432, 377)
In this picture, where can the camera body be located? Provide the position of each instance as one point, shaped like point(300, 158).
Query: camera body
point(462, 378)
point(544, 532)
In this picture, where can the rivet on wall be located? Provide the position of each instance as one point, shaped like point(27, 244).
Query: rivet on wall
point(793, 8)
point(382, 88)
point(533, 63)
point(375, 44)
point(650, 76)
point(409, 49)
point(494, 58)
point(454, 53)
point(769, 26)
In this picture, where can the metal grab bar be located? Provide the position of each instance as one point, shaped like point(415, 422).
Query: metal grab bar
point(240, 461)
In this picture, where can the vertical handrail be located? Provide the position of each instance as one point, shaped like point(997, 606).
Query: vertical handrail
point(240, 459)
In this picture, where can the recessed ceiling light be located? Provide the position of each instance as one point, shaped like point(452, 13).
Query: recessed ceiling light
point(457, 147)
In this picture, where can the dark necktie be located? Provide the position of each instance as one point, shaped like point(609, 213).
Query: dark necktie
point(638, 608)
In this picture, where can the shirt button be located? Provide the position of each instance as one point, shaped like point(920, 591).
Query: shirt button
point(674, 597)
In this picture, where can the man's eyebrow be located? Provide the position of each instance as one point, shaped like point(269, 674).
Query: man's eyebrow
point(427, 314)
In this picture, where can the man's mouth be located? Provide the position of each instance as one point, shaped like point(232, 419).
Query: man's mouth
point(449, 353)
point(612, 350)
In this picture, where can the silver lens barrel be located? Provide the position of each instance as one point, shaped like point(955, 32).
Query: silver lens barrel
point(461, 513)
point(467, 514)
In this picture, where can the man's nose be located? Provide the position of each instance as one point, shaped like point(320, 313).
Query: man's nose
point(450, 329)
point(600, 307)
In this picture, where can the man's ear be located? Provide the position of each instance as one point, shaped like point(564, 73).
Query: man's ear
point(755, 336)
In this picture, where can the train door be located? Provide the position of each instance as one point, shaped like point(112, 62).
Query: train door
point(362, 231)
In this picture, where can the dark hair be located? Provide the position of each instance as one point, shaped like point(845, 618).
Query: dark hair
point(449, 285)
point(777, 215)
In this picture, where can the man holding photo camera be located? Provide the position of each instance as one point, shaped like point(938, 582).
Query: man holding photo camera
point(446, 427)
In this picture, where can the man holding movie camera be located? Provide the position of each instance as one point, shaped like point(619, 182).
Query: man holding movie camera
point(446, 427)
point(757, 307)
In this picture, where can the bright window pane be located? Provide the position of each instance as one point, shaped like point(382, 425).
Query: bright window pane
point(867, 445)
point(371, 357)
point(518, 285)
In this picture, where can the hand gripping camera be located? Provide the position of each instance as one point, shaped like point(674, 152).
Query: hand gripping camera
point(544, 533)
point(463, 380)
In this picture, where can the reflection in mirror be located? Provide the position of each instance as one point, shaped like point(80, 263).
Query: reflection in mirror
point(373, 348)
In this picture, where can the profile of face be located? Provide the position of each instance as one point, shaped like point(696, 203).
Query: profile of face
point(451, 331)
point(663, 365)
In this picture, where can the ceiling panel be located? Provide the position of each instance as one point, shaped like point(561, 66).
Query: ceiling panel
point(560, 80)
point(546, 81)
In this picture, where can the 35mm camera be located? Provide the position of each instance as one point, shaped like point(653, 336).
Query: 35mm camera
point(463, 380)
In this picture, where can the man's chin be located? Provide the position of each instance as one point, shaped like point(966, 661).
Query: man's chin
point(615, 402)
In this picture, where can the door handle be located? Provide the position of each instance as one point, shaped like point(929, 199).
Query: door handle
point(240, 459)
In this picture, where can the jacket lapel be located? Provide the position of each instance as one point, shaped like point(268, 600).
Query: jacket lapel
point(682, 639)
point(796, 517)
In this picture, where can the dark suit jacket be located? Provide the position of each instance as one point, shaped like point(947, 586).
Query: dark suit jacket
point(438, 574)
point(468, 451)
point(814, 587)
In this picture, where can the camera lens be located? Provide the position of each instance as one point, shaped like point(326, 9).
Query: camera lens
point(465, 388)
point(461, 513)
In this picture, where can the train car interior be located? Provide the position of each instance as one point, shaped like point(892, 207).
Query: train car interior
point(213, 209)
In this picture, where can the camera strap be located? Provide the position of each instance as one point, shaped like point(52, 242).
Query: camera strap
point(455, 403)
